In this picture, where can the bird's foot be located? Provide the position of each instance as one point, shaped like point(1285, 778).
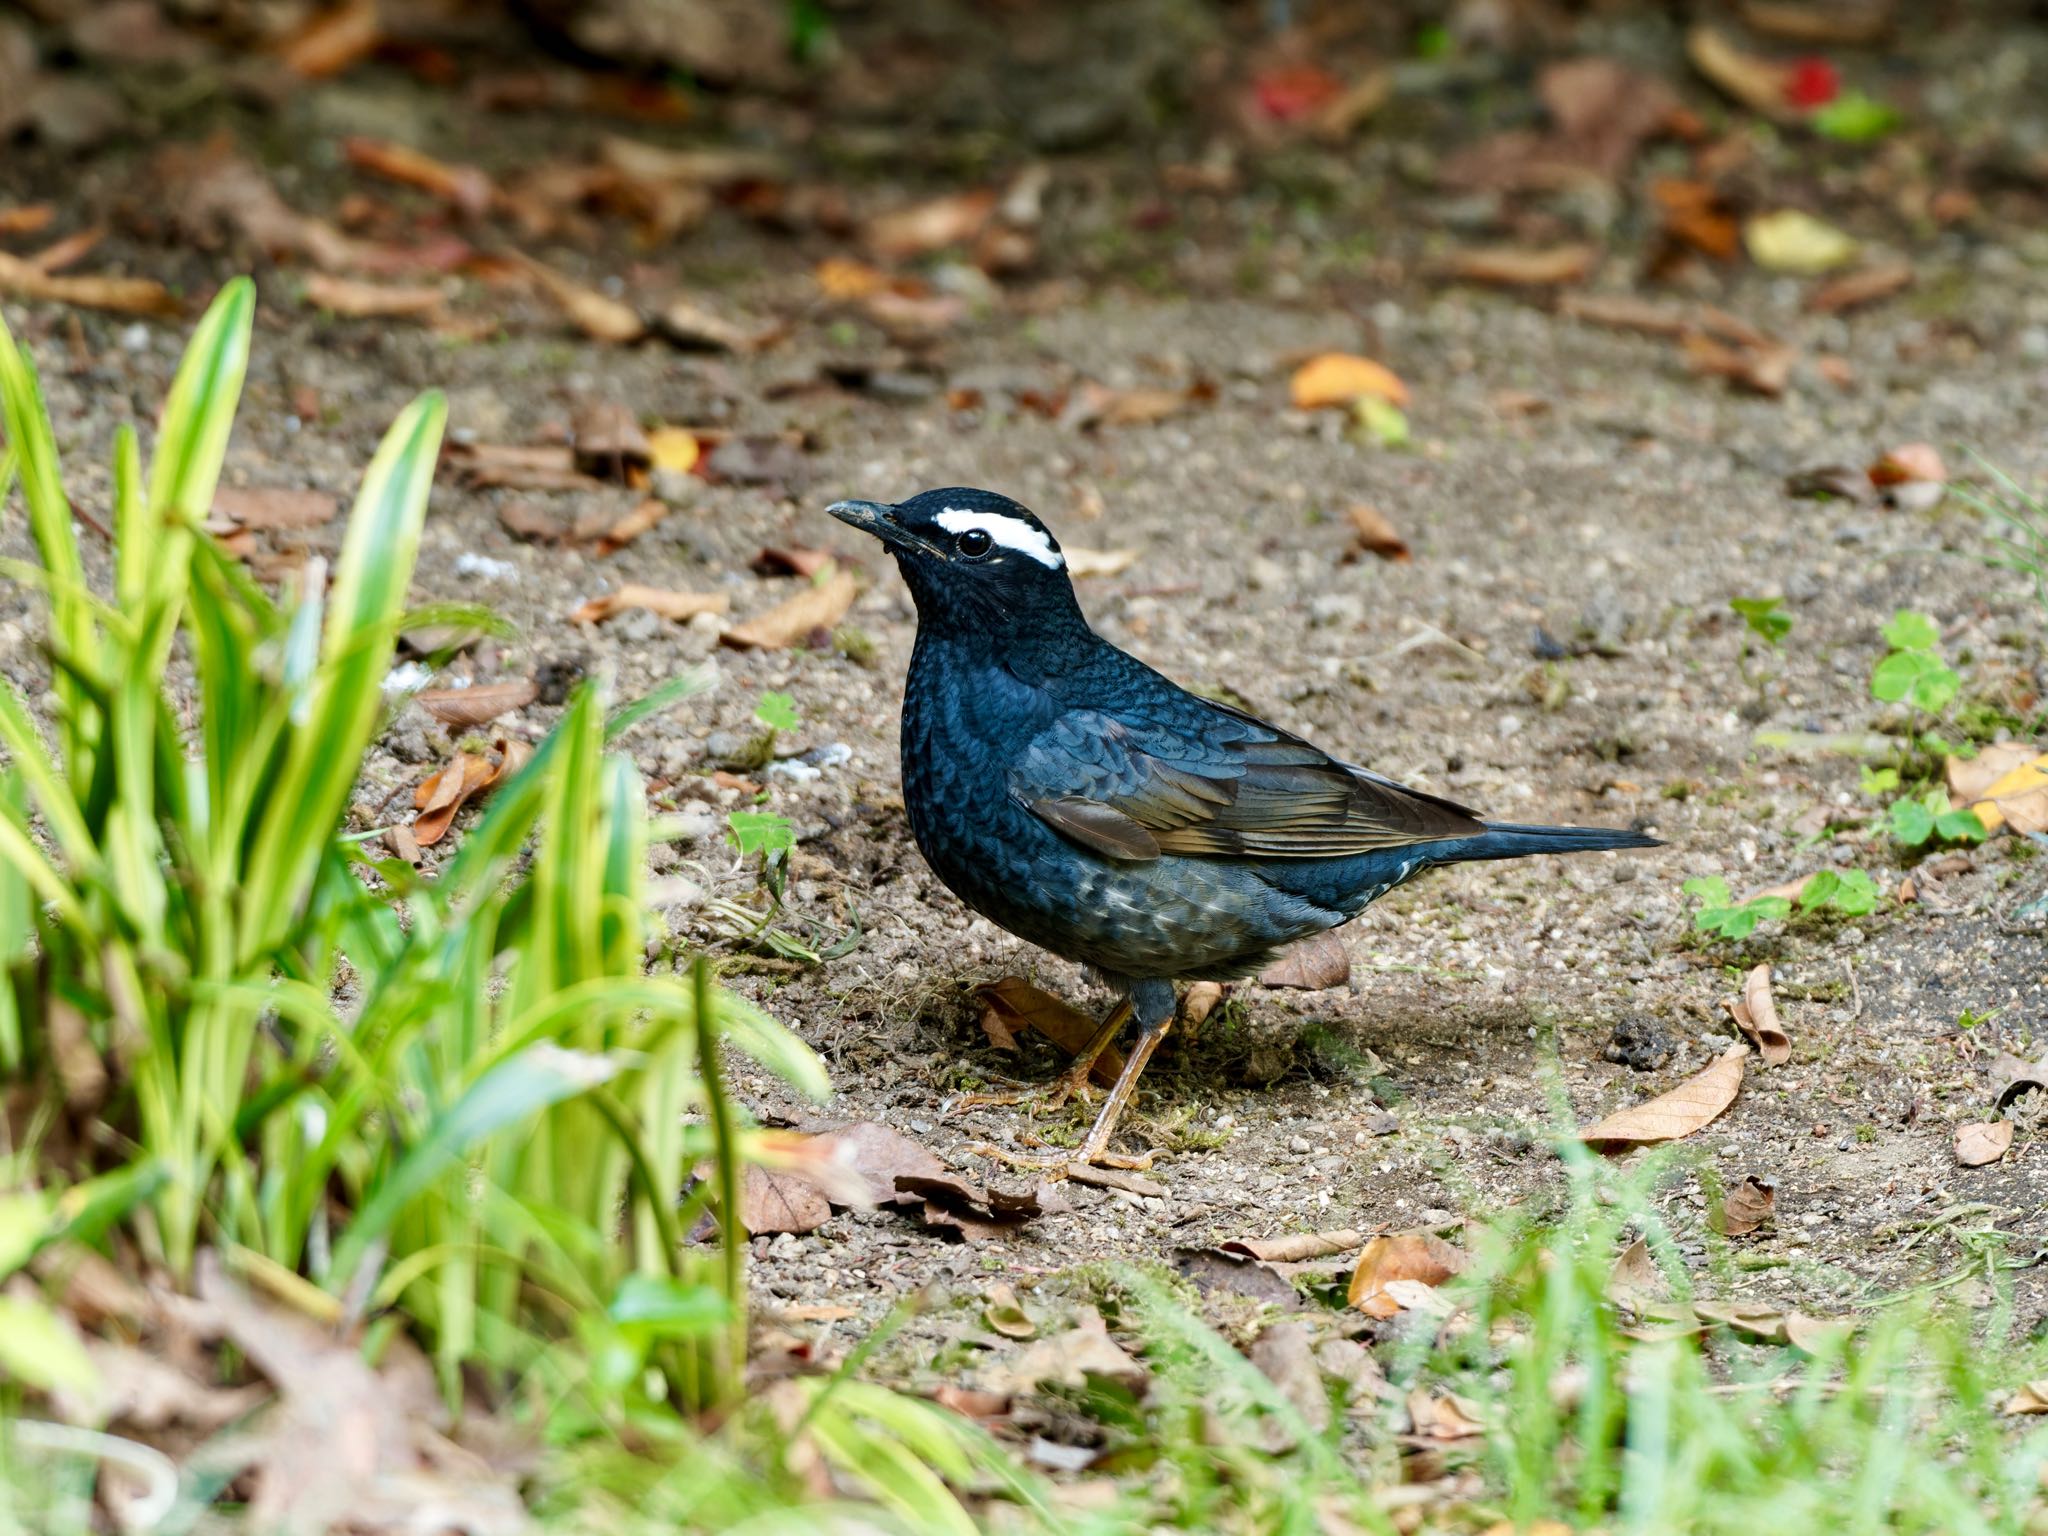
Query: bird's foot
point(1044, 1098)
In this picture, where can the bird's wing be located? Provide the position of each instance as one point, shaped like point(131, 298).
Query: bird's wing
point(1222, 784)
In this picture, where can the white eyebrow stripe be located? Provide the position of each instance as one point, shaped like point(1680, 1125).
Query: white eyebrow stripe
point(1010, 532)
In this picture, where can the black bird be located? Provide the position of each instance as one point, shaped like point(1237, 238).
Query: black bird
point(1073, 795)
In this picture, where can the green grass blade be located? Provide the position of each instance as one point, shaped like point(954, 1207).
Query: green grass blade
point(199, 413)
point(301, 809)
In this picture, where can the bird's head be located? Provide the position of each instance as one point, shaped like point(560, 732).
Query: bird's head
point(972, 558)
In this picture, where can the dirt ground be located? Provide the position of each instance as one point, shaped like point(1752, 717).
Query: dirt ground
point(1566, 488)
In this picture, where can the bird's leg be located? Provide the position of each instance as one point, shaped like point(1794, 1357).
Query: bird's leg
point(1069, 1084)
point(1096, 1148)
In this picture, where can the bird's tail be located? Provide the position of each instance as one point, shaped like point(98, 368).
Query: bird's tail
point(1506, 840)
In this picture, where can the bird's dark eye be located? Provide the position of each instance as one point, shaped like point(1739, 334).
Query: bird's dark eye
point(974, 543)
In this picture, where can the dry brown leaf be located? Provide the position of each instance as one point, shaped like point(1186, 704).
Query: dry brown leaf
point(1762, 85)
point(599, 317)
point(1698, 216)
point(1443, 1415)
point(644, 516)
point(269, 508)
point(1747, 1206)
point(214, 185)
point(880, 1156)
point(2031, 1398)
point(331, 41)
point(2017, 796)
point(465, 187)
point(1985, 1142)
point(929, 226)
point(1013, 1003)
point(1853, 289)
point(790, 560)
point(838, 277)
point(521, 467)
point(1198, 1002)
point(1418, 1256)
point(1314, 965)
point(1758, 1319)
point(819, 606)
point(69, 251)
point(360, 300)
point(1339, 117)
point(399, 839)
point(1296, 1247)
point(1635, 1278)
point(1517, 267)
point(688, 324)
point(1669, 1116)
point(679, 606)
point(26, 218)
point(1762, 370)
point(468, 777)
point(1822, 25)
point(1910, 462)
point(1285, 1355)
point(1373, 534)
point(608, 440)
point(480, 704)
point(1093, 405)
point(1815, 1335)
point(1068, 1359)
point(1005, 1314)
point(1341, 379)
point(1082, 561)
point(1756, 1013)
point(122, 295)
point(1971, 778)
point(780, 1200)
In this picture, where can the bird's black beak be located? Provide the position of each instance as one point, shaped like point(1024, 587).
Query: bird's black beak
point(875, 518)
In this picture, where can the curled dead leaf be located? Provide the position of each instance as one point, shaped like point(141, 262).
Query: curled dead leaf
point(1747, 1206)
point(929, 226)
point(1762, 85)
point(645, 514)
point(2017, 797)
point(1297, 1247)
point(122, 295)
point(1982, 1143)
point(464, 186)
point(1014, 1004)
point(1518, 267)
point(1341, 379)
point(2029, 1399)
point(1443, 1415)
point(607, 438)
point(1756, 1015)
point(467, 778)
point(1678, 1113)
point(1373, 534)
point(356, 299)
point(1314, 965)
point(467, 708)
point(1414, 1256)
point(818, 607)
point(598, 316)
point(679, 606)
point(1852, 290)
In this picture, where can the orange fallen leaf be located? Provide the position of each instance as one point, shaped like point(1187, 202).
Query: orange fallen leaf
point(465, 186)
point(360, 300)
point(1518, 267)
point(1697, 215)
point(1762, 370)
point(1014, 1004)
point(1678, 1113)
point(332, 41)
point(1341, 379)
point(2017, 796)
point(122, 295)
point(838, 277)
point(819, 606)
point(69, 251)
point(1417, 1256)
point(444, 793)
point(644, 516)
point(1983, 1143)
point(1375, 535)
point(1907, 463)
point(929, 226)
point(467, 708)
point(679, 606)
point(600, 317)
point(26, 218)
